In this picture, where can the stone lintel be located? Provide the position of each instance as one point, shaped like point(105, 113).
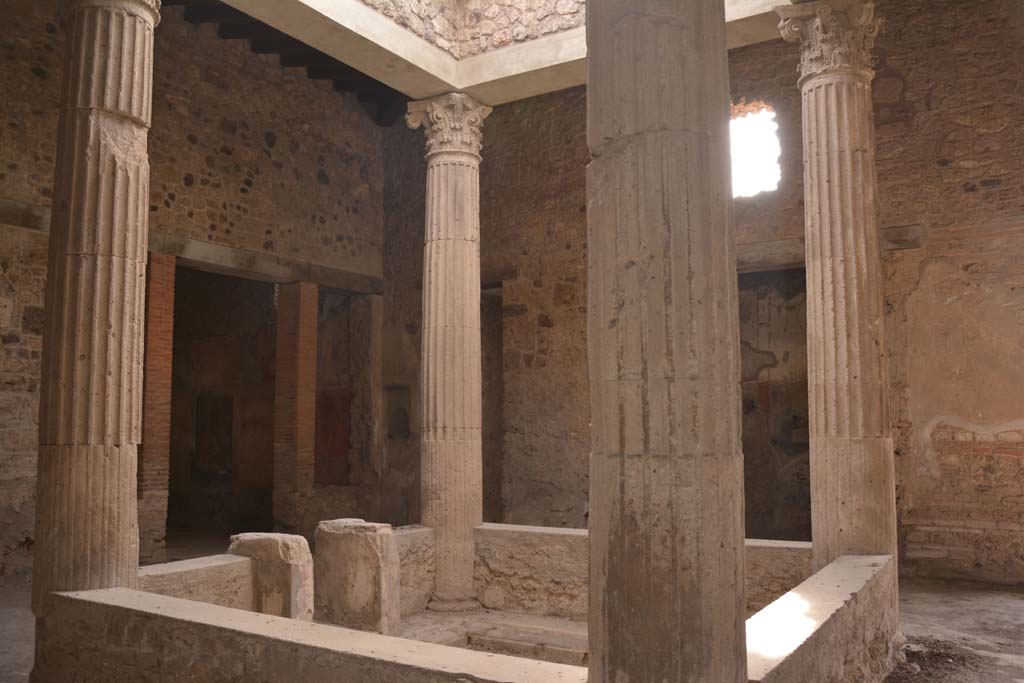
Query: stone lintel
point(216, 258)
point(210, 257)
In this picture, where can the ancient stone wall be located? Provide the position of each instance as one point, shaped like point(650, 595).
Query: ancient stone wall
point(436, 21)
point(949, 117)
point(243, 154)
point(949, 114)
point(489, 24)
point(950, 127)
point(469, 27)
point(250, 155)
point(404, 211)
point(22, 278)
point(533, 240)
point(30, 64)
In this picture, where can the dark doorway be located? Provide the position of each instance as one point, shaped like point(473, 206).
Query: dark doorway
point(222, 405)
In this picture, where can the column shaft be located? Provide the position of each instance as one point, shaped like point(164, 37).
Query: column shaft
point(451, 390)
point(666, 496)
point(90, 408)
point(852, 472)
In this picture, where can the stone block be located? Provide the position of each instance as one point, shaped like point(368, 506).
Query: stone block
point(225, 580)
point(358, 575)
point(282, 573)
point(416, 557)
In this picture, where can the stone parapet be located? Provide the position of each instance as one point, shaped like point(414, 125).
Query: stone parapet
point(282, 573)
point(358, 576)
point(225, 580)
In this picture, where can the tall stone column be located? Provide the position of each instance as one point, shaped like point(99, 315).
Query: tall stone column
point(852, 472)
point(86, 522)
point(666, 468)
point(451, 467)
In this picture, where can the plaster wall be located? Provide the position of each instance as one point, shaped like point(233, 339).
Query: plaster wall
point(244, 154)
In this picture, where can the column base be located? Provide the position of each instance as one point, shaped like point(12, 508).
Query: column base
point(440, 604)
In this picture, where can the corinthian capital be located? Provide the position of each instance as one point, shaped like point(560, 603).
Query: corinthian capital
point(453, 123)
point(834, 34)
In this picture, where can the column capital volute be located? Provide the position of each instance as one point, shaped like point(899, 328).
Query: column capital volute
point(835, 35)
point(453, 123)
point(150, 9)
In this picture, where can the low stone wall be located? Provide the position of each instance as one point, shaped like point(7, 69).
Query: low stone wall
point(282, 573)
point(532, 570)
point(838, 626)
point(544, 570)
point(773, 568)
point(225, 580)
point(416, 556)
point(120, 635)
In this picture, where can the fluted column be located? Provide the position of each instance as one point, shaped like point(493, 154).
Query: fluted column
point(86, 522)
point(451, 467)
point(852, 473)
point(666, 469)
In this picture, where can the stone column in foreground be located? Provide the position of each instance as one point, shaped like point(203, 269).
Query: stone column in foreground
point(666, 469)
point(86, 523)
point(853, 496)
point(451, 451)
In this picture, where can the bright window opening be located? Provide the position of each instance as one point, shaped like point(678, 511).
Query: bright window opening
point(755, 151)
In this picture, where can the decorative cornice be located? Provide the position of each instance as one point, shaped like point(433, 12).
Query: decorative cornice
point(834, 35)
point(452, 122)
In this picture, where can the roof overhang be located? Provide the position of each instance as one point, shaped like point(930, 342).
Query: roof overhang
point(361, 37)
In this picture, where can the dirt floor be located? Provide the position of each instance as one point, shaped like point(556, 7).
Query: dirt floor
point(961, 633)
point(956, 633)
point(16, 631)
